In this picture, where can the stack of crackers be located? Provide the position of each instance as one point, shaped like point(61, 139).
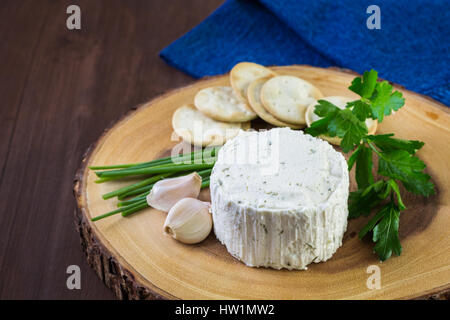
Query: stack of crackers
point(220, 112)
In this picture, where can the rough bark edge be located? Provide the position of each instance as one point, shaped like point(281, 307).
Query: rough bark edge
point(113, 275)
point(117, 277)
point(441, 295)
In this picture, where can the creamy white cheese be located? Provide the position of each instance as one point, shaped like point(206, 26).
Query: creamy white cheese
point(279, 198)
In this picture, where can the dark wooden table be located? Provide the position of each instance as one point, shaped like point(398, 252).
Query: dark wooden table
point(59, 89)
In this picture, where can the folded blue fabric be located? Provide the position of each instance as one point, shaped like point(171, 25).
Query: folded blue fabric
point(412, 47)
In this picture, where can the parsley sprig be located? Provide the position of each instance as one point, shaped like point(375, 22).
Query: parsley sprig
point(397, 162)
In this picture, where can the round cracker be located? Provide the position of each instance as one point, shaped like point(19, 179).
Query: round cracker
point(221, 103)
point(197, 129)
point(287, 97)
point(341, 103)
point(254, 98)
point(244, 73)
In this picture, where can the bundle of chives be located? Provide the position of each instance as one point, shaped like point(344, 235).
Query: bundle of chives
point(153, 171)
point(205, 153)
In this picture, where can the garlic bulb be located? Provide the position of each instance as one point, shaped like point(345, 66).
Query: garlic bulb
point(165, 193)
point(189, 221)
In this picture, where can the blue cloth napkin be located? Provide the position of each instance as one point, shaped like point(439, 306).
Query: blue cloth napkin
point(412, 48)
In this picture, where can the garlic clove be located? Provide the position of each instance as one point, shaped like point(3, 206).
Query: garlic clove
point(165, 193)
point(189, 221)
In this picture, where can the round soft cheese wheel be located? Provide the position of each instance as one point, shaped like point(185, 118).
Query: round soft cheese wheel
point(279, 198)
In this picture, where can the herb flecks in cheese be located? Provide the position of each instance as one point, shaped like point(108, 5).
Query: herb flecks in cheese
point(275, 203)
point(296, 160)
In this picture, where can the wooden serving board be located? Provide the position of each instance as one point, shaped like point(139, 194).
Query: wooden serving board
point(134, 258)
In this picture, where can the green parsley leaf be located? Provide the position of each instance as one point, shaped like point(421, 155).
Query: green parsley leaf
point(365, 86)
point(363, 173)
point(386, 143)
point(401, 165)
point(325, 108)
point(384, 101)
point(372, 223)
point(361, 109)
point(338, 122)
point(319, 127)
point(348, 127)
point(353, 157)
point(359, 205)
point(362, 201)
point(385, 233)
point(396, 189)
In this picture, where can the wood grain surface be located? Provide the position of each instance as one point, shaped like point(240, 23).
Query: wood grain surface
point(135, 259)
point(59, 89)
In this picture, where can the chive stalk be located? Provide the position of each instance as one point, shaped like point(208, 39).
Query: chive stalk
point(115, 174)
point(133, 200)
point(121, 209)
point(206, 153)
point(157, 170)
point(136, 192)
point(205, 183)
point(137, 207)
point(134, 186)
